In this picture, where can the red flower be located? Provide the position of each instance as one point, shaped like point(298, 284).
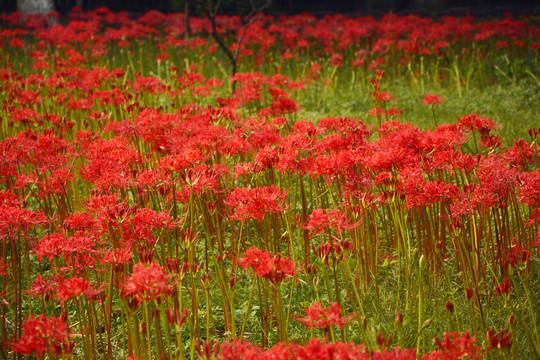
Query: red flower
point(273, 268)
point(336, 60)
point(74, 287)
point(321, 219)
point(238, 349)
point(44, 287)
point(44, 335)
point(456, 346)
point(111, 163)
point(476, 122)
point(147, 282)
point(319, 316)
point(431, 100)
point(530, 188)
point(147, 220)
point(284, 106)
point(255, 203)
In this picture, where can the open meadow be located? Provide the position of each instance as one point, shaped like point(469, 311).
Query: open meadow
point(357, 188)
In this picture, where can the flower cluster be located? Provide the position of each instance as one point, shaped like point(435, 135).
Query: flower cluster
point(148, 281)
point(322, 317)
point(125, 170)
point(255, 203)
point(273, 268)
point(456, 346)
point(321, 219)
point(43, 335)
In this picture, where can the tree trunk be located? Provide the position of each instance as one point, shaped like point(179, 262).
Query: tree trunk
point(35, 6)
point(186, 14)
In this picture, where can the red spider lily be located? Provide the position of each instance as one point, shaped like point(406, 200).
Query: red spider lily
point(530, 187)
point(321, 350)
point(431, 100)
point(74, 287)
point(284, 106)
point(245, 168)
point(146, 220)
point(264, 136)
point(295, 153)
point(109, 208)
point(24, 116)
point(497, 181)
point(490, 141)
point(520, 154)
point(319, 316)
point(204, 179)
point(80, 221)
point(111, 163)
point(534, 133)
point(456, 346)
point(273, 268)
point(336, 60)
point(44, 287)
point(238, 349)
point(320, 219)
point(474, 122)
point(268, 157)
point(154, 178)
point(119, 256)
point(55, 245)
point(419, 192)
point(333, 164)
point(14, 218)
point(147, 282)
point(179, 162)
point(255, 203)
point(42, 335)
point(346, 125)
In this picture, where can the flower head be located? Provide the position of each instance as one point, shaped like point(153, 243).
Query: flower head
point(320, 316)
point(456, 346)
point(146, 282)
point(430, 100)
point(255, 203)
point(43, 335)
point(273, 268)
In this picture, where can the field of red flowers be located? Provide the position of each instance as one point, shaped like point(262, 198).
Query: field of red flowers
point(154, 207)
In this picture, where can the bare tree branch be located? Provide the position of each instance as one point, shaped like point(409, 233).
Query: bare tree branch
point(211, 11)
point(187, 18)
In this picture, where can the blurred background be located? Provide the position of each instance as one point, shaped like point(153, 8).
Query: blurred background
point(316, 7)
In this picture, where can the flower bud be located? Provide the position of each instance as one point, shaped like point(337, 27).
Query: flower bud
point(469, 293)
point(143, 327)
point(381, 339)
point(398, 321)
